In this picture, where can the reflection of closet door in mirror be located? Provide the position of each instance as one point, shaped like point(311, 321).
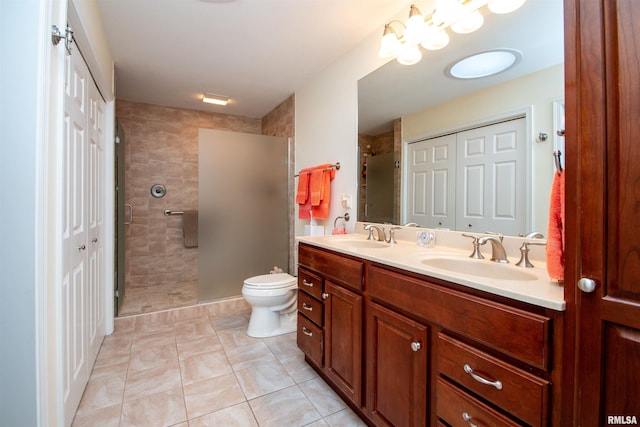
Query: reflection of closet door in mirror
point(431, 173)
point(491, 188)
point(379, 194)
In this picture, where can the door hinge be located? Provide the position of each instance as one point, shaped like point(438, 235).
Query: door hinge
point(116, 294)
point(117, 139)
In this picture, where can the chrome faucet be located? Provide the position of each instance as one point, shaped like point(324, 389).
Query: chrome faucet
point(381, 234)
point(524, 254)
point(411, 224)
point(498, 254)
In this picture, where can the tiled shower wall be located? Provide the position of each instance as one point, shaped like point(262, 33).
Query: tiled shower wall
point(162, 148)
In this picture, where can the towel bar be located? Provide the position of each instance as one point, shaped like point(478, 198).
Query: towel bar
point(335, 165)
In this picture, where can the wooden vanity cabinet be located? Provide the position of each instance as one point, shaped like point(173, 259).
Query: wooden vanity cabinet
point(405, 350)
point(340, 325)
point(396, 368)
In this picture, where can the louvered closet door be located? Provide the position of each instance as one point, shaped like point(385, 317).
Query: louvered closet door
point(82, 284)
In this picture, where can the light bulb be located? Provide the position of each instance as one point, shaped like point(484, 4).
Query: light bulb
point(416, 30)
point(469, 23)
point(504, 6)
point(409, 54)
point(447, 11)
point(389, 45)
point(436, 40)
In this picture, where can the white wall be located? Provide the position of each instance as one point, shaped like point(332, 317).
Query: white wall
point(326, 125)
point(19, 34)
point(537, 91)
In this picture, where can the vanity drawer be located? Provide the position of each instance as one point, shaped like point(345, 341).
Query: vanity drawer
point(518, 392)
point(310, 283)
point(310, 307)
point(523, 335)
point(310, 339)
point(340, 268)
point(458, 409)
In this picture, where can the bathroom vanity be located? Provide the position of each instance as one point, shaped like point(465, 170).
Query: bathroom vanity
point(409, 344)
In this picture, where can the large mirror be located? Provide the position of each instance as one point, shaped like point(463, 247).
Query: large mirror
point(399, 105)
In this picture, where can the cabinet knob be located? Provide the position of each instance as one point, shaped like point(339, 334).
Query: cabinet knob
point(325, 295)
point(468, 419)
point(587, 285)
point(82, 248)
point(415, 346)
point(94, 240)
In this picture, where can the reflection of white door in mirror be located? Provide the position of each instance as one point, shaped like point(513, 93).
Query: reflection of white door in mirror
point(472, 180)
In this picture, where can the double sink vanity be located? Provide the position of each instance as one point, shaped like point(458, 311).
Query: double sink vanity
point(411, 335)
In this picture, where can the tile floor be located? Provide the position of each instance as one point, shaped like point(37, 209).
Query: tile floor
point(138, 300)
point(197, 367)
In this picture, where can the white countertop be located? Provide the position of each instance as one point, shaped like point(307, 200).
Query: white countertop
point(530, 285)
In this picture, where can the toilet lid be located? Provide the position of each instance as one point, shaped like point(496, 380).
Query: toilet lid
point(277, 280)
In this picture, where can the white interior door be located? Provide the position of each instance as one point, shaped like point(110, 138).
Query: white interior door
point(82, 300)
point(491, 187)
point(431, 182)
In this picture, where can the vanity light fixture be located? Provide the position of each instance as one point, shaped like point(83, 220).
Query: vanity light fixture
point(429, 31)
point(210, 98)
point(484, 64)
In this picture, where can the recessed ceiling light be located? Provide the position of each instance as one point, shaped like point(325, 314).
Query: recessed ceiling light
point(210, 98)
point(484, 64)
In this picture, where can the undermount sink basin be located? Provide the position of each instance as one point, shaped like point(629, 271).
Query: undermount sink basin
point(476, 267)
point(356, 243)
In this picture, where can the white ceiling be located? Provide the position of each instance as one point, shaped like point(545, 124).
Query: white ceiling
point(257, 52)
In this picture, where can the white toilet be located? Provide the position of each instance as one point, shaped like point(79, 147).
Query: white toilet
point(273, 299)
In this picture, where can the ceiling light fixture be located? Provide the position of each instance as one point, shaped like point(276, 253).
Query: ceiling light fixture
point(210, 98)
point(484, 64)
point(429, 31)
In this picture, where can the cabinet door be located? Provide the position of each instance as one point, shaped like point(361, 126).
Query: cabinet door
point(603, 193)
point(396, 366)
point(343, 340)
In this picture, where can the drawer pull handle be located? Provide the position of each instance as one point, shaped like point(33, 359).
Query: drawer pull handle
point(307, 332)
point(496, 384)
point(415, 346)
point(309, 284)
point(467, 418)
point(307, 307)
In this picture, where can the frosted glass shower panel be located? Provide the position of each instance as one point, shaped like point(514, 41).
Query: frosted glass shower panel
point(243, 209)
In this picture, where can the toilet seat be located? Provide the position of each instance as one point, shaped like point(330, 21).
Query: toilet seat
point(270, 281)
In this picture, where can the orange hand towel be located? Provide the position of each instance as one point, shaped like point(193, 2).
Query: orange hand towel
point(303, 187)
point(555, 236)
point(321, 211)
point(316, 184)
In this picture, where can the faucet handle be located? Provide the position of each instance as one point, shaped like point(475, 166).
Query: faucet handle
point(476, 246)
point(524, 254)
point(392, 235)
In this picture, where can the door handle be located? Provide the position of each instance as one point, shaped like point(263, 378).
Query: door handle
point(130, 208)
